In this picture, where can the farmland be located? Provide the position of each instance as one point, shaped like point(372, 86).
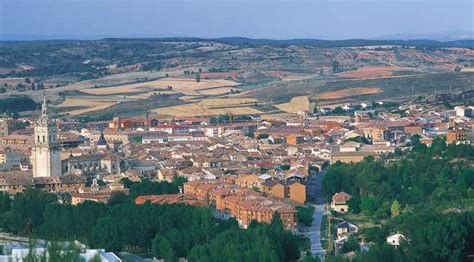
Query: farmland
point(297, 104)
point(207, 107)
point(193, 78)
point(184, 86)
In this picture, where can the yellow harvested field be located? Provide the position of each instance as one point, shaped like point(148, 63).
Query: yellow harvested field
point(297, 104)
point(349, 92)
point(189, 98)
point(89, 104)
point(211, 107)
point(185, 86)
point(467, 69)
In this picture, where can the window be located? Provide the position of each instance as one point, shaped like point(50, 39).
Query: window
point(44, 139)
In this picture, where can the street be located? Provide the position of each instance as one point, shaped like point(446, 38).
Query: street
point(314, 231)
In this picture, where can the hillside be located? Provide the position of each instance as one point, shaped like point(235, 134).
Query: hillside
point(84, 77)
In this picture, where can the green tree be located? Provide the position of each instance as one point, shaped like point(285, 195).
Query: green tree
point(350, 245)
point(304, 215)
point(163, 249)
point(5, 202)
point(335, 66)
point(26, 212)
point(415, 139)
point(106, 234)
point(117, 197)
point(354, 204)
point(368, 205)
point(395, 208)
point(309, 258)
point(137, 139)
point(198, 77)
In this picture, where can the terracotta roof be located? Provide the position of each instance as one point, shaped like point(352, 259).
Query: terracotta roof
point(341, 197)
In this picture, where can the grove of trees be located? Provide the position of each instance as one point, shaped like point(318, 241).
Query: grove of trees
point(164, 231)
point(424, 193)
point(17, 104)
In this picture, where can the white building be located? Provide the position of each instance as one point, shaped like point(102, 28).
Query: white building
point(463, 111)
point(100, 253)
point(395, 240)
point(18, 252)
point(45, 156)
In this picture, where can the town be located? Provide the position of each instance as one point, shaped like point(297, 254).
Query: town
point(240, 131)
point(249, 168)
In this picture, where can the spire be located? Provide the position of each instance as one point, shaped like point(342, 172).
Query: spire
point(44, 118)
point(44, 107)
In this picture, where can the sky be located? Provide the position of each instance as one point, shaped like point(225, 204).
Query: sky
point(284, 19)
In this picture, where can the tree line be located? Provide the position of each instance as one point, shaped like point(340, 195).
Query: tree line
point(163, 231)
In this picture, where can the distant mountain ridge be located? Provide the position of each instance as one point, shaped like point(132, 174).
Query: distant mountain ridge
point(244, 41)
point(350, 42)
point(439, 36)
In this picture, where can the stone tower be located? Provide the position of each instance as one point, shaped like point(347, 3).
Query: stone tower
point(45, 154)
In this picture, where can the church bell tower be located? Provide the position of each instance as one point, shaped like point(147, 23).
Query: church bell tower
point(45, 155)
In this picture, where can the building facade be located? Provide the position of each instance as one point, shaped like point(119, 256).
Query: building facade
point(45, 155)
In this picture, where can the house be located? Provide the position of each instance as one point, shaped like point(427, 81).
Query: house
point(351, 157)
point(278, 190)
point(457, 135)
point(9, 158)
point(349, 147)
point(413, 129)
point(362, 116)
point(295, 139)
point(428, 141)
point(394, 240)
point(346, 228)
point(169, 199)
point(297, 192)
point(339, 202)
point(96, 193)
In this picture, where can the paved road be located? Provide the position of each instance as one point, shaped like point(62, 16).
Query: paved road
point(314, 231)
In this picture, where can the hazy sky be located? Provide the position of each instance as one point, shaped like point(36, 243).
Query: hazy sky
point(328, 19)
